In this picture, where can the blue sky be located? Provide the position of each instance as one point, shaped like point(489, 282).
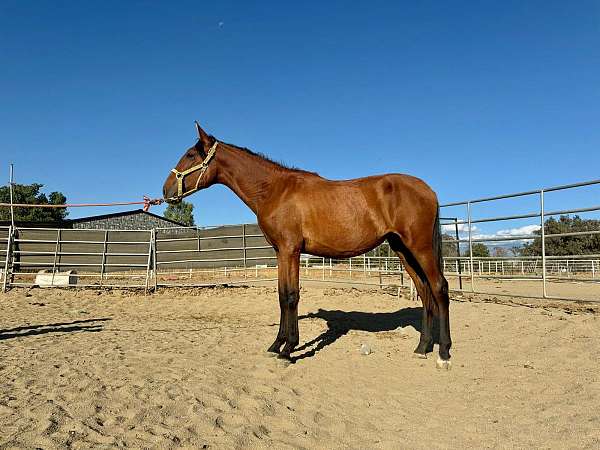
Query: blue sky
point(97, 99)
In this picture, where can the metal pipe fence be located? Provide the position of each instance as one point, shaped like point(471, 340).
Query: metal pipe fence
point(172, 258)
point(239, 254)
point(101, 258)
point(5, 245)
point(547, 269)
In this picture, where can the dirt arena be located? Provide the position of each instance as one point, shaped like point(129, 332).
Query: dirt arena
point(188, 369)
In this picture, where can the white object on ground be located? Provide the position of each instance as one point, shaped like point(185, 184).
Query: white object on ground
point(45, 278)
point(365, 349)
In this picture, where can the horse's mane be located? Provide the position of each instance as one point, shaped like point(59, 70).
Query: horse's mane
point(278, 164)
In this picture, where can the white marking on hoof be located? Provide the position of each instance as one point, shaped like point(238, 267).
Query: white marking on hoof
point(419, 356)
point(443, 364)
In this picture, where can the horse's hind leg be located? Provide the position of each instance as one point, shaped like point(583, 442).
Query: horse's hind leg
point(422, 260)
point(429, 263)
point(426, 340)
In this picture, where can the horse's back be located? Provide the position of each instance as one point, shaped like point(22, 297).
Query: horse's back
point(349, 216)
point(377, 193)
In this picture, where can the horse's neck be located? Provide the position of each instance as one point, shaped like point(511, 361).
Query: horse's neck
point(249, 176)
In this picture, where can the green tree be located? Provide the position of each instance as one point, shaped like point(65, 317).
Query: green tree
point(479, 251)
point(182, 212)
point(566, 245)
point(31, 194)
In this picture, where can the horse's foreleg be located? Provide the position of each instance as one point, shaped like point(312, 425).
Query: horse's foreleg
point(289, 295)
point(281, 334)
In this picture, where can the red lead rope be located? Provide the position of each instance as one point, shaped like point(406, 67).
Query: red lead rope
point(148, 202)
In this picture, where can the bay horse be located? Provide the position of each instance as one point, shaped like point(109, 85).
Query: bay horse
point(299, 211)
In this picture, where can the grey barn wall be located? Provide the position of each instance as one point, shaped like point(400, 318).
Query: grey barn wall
point(139, 221)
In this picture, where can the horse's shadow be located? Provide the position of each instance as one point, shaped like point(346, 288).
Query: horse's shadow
point(87, 325)
point(339, 323)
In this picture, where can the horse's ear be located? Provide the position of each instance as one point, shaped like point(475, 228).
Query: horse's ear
point(206, 139)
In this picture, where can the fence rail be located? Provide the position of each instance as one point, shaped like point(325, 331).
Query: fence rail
point(545, 268)
point(190, 256)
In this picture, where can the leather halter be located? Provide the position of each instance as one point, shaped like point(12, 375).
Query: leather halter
point(202, 167)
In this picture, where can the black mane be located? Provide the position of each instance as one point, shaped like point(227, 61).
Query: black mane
point(278, 164)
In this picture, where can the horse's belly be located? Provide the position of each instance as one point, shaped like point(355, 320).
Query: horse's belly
point(340, 233)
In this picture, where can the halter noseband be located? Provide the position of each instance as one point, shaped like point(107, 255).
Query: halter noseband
point(202, 167)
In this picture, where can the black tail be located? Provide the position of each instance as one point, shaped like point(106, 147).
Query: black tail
point(437, 241)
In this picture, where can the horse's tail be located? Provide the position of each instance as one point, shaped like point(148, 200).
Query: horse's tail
point(430, 302)
point(437, 241)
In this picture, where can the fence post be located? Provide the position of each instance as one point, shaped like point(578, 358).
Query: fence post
point(104, 250)
point(7, 258)
point(154, 267)
point(55, 255)
point(543, 244)
point(330, 268)
point(458, 253)
point(470, 247)
point(323, 269)
point(350, 266)
point(149, 261)
point(244, 247)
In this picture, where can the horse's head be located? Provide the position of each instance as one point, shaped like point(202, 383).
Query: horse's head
point(194, 170)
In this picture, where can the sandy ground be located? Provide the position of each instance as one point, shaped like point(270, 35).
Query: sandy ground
point(188, 369)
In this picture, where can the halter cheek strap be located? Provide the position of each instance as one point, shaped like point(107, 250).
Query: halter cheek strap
point(202, 167)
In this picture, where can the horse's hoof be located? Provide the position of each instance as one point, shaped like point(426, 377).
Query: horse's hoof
point(271, 354)
point(284, 360)
point(274, 348)
point(420, 355)
point(443, 364)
